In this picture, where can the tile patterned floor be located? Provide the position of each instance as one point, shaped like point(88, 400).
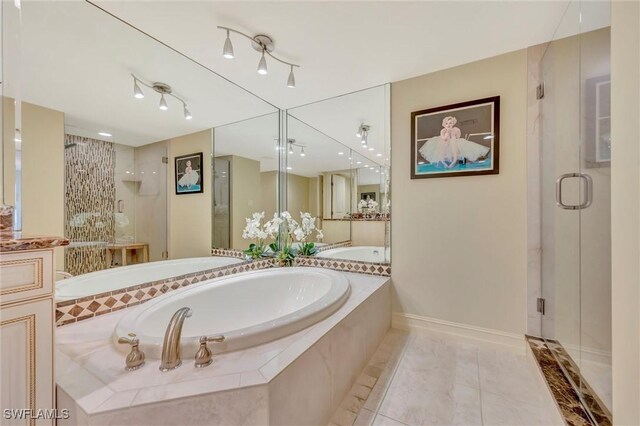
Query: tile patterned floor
point(423, 378)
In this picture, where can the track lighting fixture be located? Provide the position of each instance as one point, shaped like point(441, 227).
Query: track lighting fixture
point(137, 91)
point(291, 144)
point(163, 103)
point(262, 65)
point(227, 51)
point(291, 81)
point(163, 89)
point(263, 44)
point(363, 134)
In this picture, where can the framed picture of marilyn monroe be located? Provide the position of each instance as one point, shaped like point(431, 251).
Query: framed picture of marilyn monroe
point(461, 139)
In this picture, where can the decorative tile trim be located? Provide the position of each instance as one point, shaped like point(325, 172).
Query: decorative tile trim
point(238, 254)
point(71, 311)
point(369, 268)
point(573, 409)
point(334, 246)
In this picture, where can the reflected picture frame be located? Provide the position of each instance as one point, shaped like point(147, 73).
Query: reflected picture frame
point(461, 139)
point(189, 176)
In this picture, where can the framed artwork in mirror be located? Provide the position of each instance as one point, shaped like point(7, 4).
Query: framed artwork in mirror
point(461, 139)
point(368, 196)
point(189, 176)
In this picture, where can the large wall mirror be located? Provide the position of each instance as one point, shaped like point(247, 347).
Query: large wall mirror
point(95, 147)
point(345, 172)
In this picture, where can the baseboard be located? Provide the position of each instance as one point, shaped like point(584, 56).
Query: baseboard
point(409, 321)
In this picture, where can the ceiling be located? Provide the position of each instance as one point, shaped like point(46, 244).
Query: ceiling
point(346, 46)
point(87, 57)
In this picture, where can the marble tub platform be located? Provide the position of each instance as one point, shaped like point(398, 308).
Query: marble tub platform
point(299, 379)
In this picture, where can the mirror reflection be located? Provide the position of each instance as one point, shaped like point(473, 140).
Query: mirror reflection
point(116, 140)
point(354, 173)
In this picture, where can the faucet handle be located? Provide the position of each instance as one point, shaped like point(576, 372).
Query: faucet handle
point(135, 358)
point(131, 340)
point(204, 356)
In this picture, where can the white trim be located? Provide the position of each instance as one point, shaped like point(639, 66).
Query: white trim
point(405, 321)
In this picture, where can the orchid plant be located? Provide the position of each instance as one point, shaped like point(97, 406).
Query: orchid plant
point(369, 205)
point(259, 232)
point(285, 252)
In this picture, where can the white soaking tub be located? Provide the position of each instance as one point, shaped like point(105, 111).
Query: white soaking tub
point(361, 254)
point(128, 276)
point(249, 309)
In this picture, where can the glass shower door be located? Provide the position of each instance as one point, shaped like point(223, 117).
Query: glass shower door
point(575, 194)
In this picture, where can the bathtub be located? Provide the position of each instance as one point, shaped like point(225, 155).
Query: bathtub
point(362, 254)
point(127, 276)
point(249, 309)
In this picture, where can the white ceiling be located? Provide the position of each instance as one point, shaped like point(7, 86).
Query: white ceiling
point(77, 59)
point(346, 46)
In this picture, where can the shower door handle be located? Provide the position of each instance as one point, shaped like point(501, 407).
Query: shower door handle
point(588, 191)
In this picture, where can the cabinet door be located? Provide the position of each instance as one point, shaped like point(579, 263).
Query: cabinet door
point(26, 360)
point(25, 275)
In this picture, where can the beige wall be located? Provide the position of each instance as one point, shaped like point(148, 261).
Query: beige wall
point(367, 233)
point(297, 195)
point(465, 227)
point(190, 214)
point(43, 173)
point(336, 231)
point(246, 196)
point(625, 210)
point(269, 183)
point(315, 197)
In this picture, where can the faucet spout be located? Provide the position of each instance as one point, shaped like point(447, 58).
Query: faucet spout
point(171, 345)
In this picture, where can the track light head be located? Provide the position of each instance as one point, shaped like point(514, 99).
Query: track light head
point(137, 91)
point(302, 154)
point(291, 81)
point(163, 103)
point(227, 50)
point(262, 65)
point(187, 114)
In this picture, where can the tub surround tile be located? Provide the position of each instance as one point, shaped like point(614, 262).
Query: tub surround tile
point(16, 241)
point(277, 369)
point(382, 269)
point(571, 407)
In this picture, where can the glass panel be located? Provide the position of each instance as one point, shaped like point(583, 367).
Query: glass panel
point(560, 154)
point(595, 221)
point(360, 122)
point(245, 178)
point(576, 253)
point(92, 151)
point(319, 182)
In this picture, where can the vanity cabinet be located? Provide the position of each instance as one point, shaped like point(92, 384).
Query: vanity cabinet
point(26, 337)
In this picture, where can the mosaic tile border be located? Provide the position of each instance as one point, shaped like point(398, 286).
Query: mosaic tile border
point(369, 268)
point(238, 254)
point(571, 406)
point(71, 311)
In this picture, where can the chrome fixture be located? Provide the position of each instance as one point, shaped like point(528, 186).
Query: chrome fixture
point(163, 89)
point(171, 345)
point(292, 143)
point(135, 358)
point(263, 44)
point(588, 191)
point(363, 134)
point(204, 356)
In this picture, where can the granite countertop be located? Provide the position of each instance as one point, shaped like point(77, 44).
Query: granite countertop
point(15, 241)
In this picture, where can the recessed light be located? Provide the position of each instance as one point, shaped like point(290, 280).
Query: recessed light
point(289, 168)
point(378, 155)
point(341, 153)
point(371, 149)
point(358, 162)
point(105, 134)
